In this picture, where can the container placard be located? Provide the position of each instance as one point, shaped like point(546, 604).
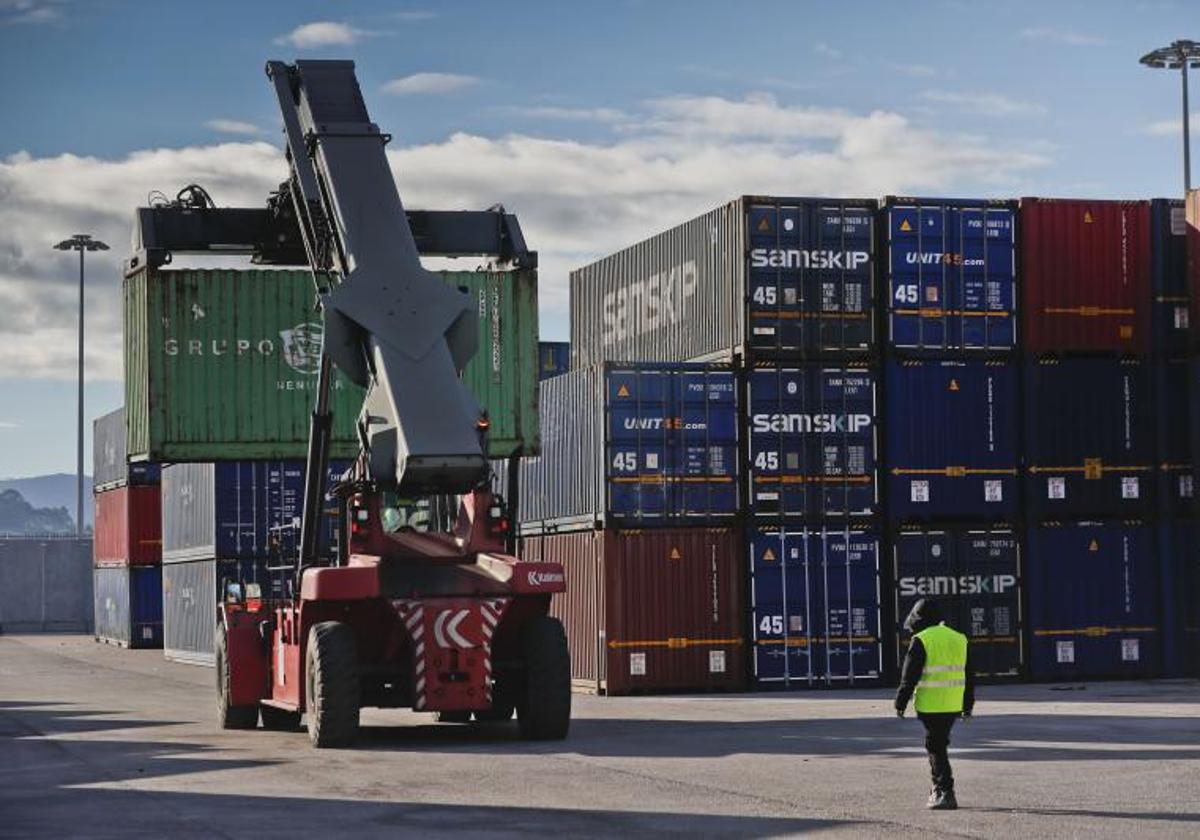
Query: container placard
point(1066, 652)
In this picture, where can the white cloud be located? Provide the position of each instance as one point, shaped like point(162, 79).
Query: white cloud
point(8, 424)
point(1171, 128)
point(323, 33)
point(823, 49)
point(1062, 36)
point(233, 127)
point(29, 12)
point(984, 104)
point(673, 159)
point(419, 83)
point(554, 112)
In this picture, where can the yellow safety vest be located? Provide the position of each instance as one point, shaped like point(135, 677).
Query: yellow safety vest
point(944, 678)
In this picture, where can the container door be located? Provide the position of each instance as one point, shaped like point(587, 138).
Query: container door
point(782, 612)
point(704, 448)
point(638, 419)
point(989, 608)
point(848, 581)
point(146, 606)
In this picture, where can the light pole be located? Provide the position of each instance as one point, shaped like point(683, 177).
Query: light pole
point(80, 242)
point(1179, 56)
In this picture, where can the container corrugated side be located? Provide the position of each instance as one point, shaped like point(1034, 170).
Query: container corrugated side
point(635, 446)
point(670, 603)
point(761, 275)
point(1085, 271)
point(951, 275)
point(812, 442)
point(1173, 438)
point(128, 605)
point(554, 358)
point(1178, 547)
point(975, 576)
point(951, 431)
point(239, 509)
point(46, 585)
point(815, 606)
point(128, 526)
point(1191, 212)
point(1169, 277)
point(1093, 590)
point(110, 464)
point(1088, 438)
point(190, 592)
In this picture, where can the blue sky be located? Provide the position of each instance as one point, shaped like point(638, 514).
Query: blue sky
point(598, 123)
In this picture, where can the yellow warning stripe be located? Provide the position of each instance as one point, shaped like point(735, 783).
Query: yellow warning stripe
point(1087, 311)
point(936, 312)
point(1174, 467)
point(793, 316)
point(1100, 468)
point(675, 643)
point(803, 641)
point(812, 479)
point(951, 472)
point(1171, 299)
point(659, 479)
point(1095, 631)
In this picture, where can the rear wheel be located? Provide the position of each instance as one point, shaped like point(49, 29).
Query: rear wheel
point(544, 710)
point(503, 704)
point(279, 719)
point(331, 671)
point(228, 715)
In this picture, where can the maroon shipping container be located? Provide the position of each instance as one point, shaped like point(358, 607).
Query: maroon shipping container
point(1085, 272)
point(128, 527)
point(649, 611)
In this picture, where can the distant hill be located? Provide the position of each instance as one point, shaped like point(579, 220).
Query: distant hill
point(17, 516)
point(53, 491)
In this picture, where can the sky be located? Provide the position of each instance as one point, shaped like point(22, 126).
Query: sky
point(599, 124)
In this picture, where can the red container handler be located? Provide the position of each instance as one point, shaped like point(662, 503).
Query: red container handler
point(1085, 271)
point(128, 529)
point(650, 611)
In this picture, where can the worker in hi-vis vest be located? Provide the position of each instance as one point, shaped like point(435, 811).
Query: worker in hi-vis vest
point(937, 670)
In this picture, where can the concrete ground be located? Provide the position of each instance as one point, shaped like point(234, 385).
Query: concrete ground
point(101, 742)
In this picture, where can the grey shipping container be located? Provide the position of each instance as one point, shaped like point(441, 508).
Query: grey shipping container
point(763, 277)
point(128, 604)
point(45, 585)
point(190, 592)
point(110, 462)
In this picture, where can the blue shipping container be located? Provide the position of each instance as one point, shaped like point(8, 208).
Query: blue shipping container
point(975, 575)
point(129, 605)
point(1093, 590)
point(1177, 549)
point(1168, 276)
point(812, 442)
point(1088, 439)
point(554, 357)
point(951, 430)
point(811, 277)
point(633, 446)
point(1172, 438)
point(815, 606)
point(951, 270)
point(239, 509)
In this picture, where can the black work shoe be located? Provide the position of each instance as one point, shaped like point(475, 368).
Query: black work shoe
point(942, 801)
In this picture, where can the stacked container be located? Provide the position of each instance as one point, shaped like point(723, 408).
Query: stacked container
point(127, 542)
point(1090, 476)
point(951, 391)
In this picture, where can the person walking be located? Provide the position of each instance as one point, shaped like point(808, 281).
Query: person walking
point(937, 670)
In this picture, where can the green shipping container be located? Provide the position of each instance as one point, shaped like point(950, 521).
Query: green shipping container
point(222, 364)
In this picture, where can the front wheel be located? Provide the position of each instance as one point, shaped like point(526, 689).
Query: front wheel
point(228, 715)
point(331, 673)
point(544, 710)
point(280, 720)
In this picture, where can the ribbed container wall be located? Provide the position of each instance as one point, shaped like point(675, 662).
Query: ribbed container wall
point(128, 606)
point(1169, 278)
point(1089, 439)
point(633, 446)
point(1085, 271)
point(46, 585)
point(815, 606)
point(951, 276)
point(975, 575)
point(1172, 412)
point(239, 509)
point(951, 431)
point(110, 463)
point(812, 443)
point(650, 610)
point(554, 358)
point(190, 593)
point(760, 277)
point(1178, 548)
point(1093, 590)
point(128, 526)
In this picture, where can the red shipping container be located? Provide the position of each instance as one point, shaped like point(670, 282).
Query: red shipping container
point(1192, 212)
point(128, 529)
point(649, 611)
point(1085, 272)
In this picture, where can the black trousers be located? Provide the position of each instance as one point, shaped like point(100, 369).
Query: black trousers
point(937, 744)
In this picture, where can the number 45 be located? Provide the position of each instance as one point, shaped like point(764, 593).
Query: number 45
point(772, 624)
point(907, 293)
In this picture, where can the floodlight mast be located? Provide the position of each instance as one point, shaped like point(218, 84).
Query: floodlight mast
point(1180, 55)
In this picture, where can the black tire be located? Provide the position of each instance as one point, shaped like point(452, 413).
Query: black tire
point(544, 709)
point(452, 717)
point(280, 720)
point(331, 672)
point(229, 716)
point(499, 713)
point(503, 704)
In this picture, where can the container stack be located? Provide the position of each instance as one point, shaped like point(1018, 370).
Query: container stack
point(951, 422)
point(1181, 608)
point(127, 543)
point(1092, 576)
